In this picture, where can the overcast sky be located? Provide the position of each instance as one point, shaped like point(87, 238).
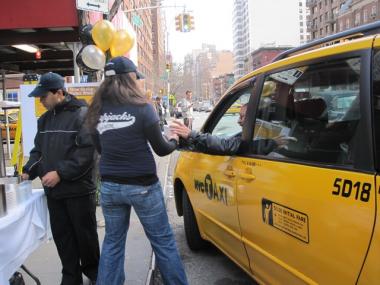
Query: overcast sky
point(213, 25)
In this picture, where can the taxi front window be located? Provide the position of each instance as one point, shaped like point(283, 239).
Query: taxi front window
point(228, 124)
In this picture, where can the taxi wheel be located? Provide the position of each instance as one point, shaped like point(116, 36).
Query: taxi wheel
point(193, 237)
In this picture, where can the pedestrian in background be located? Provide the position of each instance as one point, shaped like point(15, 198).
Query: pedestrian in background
point(124, 124)
point(63, 157)
point(187, 110)
point(161, 113)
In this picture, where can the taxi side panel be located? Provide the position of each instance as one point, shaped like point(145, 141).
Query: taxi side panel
point(212, 195)
point(296, 230)
point(371, 269)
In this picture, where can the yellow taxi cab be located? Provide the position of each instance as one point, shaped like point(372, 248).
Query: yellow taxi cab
point(12, 121)
point(307, 212)
point(234, 109)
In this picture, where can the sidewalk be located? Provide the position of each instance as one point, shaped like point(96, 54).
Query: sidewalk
point(45, 263)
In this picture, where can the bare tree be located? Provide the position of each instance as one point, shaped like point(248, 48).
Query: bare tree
point(176, 80)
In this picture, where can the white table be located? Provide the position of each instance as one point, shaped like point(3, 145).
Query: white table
point(22, 231)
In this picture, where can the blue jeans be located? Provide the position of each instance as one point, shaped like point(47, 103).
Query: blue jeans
point(148, 203)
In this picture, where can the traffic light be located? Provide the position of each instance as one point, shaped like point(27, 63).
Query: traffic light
point(179, 23)
point(168, 67)
point(188, 23)
point(184, 22)
point(161, 91)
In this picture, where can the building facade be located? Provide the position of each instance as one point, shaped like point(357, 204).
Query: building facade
point(159, 49)
point(261, 57)
point(220, 85)
point(304, 17)
point(241, 39)
point(144, 39)
point(328, 17)
point(258, 23)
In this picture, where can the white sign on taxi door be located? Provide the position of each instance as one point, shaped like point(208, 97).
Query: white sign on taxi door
point(93, 5)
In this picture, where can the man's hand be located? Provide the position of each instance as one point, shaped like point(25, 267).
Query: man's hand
point(174, 137)
point(283, 141)
point(25, 176)
point(50, 179)
point(180, 129)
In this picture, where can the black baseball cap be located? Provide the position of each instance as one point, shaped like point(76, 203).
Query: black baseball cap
point(120, 65)
point(48, 81)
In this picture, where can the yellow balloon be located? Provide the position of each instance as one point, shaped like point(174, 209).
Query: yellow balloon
point(122, 43)
point(102, 34)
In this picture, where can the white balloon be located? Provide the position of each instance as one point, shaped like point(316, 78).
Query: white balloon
point(93, 57)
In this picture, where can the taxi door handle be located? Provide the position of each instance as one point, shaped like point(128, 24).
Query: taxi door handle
point(247, 176)
point(229, 173)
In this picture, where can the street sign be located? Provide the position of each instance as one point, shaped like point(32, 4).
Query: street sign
point(136, 19)
point(93, 5)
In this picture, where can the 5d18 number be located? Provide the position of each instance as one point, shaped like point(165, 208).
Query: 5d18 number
point(346, 188)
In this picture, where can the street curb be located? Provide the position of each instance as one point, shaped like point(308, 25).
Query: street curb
point(152, 267)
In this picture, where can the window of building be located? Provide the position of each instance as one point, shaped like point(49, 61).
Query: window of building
point(12, 96)
point(301, 31)
point(317, 106)
point(327, 30)
point(301, 17)
point(301, 37)
point(365, 15)
point(357, 18)
point(347, 23)
point(326, 16)
point(373, 11)
point(321, 31)
point(300, 4)
point(301, 24)
point(320, 18)
point(320, 5)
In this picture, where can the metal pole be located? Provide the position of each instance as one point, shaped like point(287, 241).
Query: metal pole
point(8, 135)
point(76, 48)
point(2, 156)
point(4, 89)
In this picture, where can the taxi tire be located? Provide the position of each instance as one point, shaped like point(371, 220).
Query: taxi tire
point(193, 237)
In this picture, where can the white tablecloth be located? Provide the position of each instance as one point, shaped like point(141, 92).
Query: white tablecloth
point(22, 231)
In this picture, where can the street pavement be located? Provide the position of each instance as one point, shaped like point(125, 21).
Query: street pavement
point(45, 263)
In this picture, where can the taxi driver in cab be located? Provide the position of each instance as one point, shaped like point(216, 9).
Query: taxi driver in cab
point(211, 144)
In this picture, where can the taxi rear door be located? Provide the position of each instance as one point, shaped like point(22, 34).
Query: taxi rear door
point(307, 210)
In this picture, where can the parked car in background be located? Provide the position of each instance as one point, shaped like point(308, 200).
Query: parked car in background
point(197, 106)
point(206, 107)
point(178, 110)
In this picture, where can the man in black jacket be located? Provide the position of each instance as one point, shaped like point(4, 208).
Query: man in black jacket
point(212, 144)
point(63, 157)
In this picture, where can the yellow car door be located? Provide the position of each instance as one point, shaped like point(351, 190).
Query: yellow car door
point(210, 183)
point(306, 194)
